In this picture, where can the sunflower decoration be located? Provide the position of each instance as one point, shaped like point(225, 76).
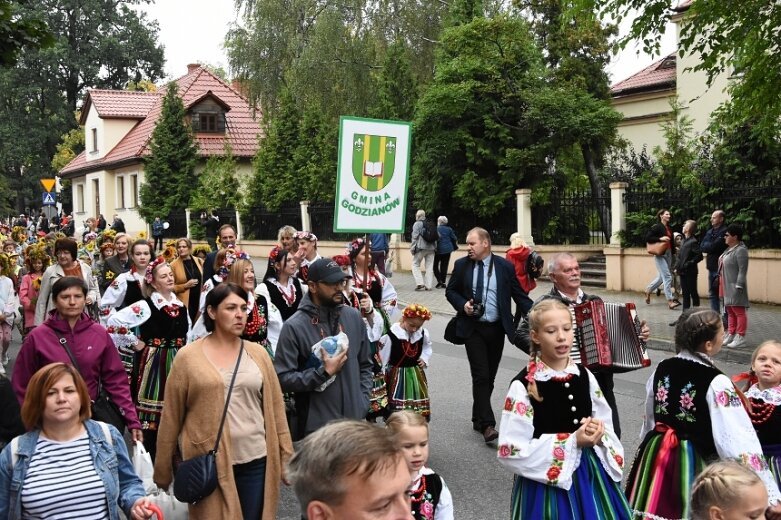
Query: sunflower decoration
point(201, 249)
point(19, 234)
point(37, 283)
point(108, 235)
point(416, 310)
point(141, 235)
point(169, 253)
point(37, 252)
point(6, 264)
point(171, 242)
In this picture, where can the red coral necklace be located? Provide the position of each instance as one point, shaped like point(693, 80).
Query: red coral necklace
point(760, 411)
point(417, 496)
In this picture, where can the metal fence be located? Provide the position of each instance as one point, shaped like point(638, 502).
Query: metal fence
point(756, 206)
point(321, 215)
point(499, 226)
point(177, 224)
point(570, 217)
point(260, 223)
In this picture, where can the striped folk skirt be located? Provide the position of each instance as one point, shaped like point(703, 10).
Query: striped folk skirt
point(772, 454)
point(408, 390)
point(154, 368)
point(662, 475)
point(593, 495)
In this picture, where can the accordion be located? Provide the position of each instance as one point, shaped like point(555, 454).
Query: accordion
point(608, 336)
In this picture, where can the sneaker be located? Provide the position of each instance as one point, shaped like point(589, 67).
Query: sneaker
point(739, 341)
point(728, 338)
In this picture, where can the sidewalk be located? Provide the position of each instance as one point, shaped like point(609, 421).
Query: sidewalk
point(764, 321)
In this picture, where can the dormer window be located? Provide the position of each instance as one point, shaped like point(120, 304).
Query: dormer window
point(207, 114)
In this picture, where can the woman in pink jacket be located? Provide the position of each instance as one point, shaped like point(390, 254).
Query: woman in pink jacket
point(36, 260)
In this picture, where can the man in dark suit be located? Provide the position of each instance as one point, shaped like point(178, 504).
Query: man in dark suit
point(227, 234)
point(480, 290)
point(713, 245)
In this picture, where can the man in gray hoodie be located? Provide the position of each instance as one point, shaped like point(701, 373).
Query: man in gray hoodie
point(320, 314)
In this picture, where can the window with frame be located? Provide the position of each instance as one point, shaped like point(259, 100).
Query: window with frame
point(134, 191)
point(121, 192)
point(94, 139)
point(208, 122)
point(80, 198)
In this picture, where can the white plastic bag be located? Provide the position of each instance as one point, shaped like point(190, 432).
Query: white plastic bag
point(389, 264)
point(142, 463)
point(171, 508)
point(333, 345)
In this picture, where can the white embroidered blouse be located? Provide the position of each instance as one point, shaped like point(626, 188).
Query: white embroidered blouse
point(553, 457)
point(399, 332)
point(733, 433)
point(121, 324)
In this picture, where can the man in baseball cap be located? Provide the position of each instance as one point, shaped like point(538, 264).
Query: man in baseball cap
point(321, 314)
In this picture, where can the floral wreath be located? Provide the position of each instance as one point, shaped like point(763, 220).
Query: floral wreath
point(416, 310)
point(150, 269)
point(342, 260)
point(354, 248)
point(6, 264)
point(305, 235)
point(38, 252)
point(201, 248)
point(231, 256)
point(274, 254)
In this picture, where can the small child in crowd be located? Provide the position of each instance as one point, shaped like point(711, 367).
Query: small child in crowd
point(764, 395)
point(728, 491)
point(405, 352)
point(429, 494)
point(557, 434)
point(693, 415)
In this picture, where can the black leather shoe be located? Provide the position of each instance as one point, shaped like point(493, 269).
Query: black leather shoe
point(490, 434)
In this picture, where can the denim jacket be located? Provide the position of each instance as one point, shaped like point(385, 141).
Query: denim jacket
point(112, 463)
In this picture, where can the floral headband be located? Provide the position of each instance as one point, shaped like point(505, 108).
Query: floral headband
point(416, 310)
point(231, 256)
point(274, 254)
point(355, 247)
point(150, 269)
point(305, 235)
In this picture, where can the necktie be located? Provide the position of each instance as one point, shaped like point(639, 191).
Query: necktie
point(479, 286)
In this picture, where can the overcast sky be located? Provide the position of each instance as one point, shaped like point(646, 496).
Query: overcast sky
point(192, 31)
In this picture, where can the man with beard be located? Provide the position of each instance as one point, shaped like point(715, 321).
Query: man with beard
point(564, 272)
point(321, 314)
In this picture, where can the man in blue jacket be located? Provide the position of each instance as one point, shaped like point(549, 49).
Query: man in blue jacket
point(480, 290)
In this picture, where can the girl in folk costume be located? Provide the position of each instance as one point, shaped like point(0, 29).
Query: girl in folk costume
point(557, 434)
point(405, 352)
point(368, 280)
point(284, 289)
point(694, 415)
point(430, 496)
point(764, 396)
point(259, 313)
point(36, 260)
point(162, 323)
point(375, 325)
point(127, 287)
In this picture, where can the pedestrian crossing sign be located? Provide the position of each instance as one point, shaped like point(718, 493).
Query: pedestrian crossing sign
point(48, 199)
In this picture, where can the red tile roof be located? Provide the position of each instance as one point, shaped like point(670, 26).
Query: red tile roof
point(659, 75)
point(242, 123)
point(123, 104)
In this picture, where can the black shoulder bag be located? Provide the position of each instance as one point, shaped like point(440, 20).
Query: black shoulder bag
point(196, 478)
point(103, 408)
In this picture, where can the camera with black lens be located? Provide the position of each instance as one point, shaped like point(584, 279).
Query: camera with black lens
point(478, 309)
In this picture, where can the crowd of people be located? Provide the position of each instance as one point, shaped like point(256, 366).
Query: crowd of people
point(196, 356)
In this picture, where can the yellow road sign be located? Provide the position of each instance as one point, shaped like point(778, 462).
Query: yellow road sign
point(48, 184)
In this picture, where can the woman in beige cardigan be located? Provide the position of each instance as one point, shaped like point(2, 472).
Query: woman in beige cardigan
point(255, 444)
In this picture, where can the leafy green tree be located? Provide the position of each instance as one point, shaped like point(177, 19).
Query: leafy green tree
point(274, 180)
point(474, 136)
point(396, 86)
point(315, 157)
point(217, 183)
point(169, 170)
point(729, 36)
point(18, 31)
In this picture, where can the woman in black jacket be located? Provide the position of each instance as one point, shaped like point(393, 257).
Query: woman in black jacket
point(689, 255)
point(661, 232)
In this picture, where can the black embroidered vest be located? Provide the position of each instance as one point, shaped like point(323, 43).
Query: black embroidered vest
point(398, 356)
point(768, 429)
point(162, 330)
point(564, 403)
point(285, 309)
point(432, 494)
point(680, 387)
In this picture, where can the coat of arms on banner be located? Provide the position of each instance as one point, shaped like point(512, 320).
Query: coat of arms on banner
point(374, 159)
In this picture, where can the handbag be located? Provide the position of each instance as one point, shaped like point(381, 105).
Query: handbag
point(103, 408)
point(656, 248)
point(196, 478)
point(450, 332)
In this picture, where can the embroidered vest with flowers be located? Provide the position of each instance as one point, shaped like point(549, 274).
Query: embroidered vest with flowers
point(166, 327)
point(566, 400)
point(680, 387)
point(425, 496)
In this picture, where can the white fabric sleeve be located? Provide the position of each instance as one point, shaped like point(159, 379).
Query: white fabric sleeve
point(375, 327)
point(120, 324)
point(115, 293)
point(648, 417)
point(274, 316)
point(425, 355)
point(551, 459)
point(208, 285)
point(389, 298)
point(734, 435)
point(444, 509)
point(385, 349)
point(610, 451)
